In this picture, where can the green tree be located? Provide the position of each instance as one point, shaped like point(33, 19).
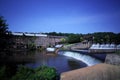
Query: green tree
point(107, 38)
point(5, 35)
point(3, 27)
point(73, 38)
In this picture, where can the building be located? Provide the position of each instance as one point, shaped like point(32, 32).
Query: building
point(24, 40)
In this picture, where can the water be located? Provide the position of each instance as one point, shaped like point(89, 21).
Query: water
point(89, 60)
point(63, 61)
point(60, 62)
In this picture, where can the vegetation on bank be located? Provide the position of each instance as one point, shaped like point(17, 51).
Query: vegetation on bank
point(74, 38)
point(25, 73)
point(97, 37)
point(2, 73)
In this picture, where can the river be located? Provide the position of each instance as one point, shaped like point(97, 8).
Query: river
point(35, 59)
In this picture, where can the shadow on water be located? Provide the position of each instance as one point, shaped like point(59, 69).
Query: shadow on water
point(76, 64)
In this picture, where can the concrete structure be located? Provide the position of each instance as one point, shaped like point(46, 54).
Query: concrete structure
point(87, 59)
point(28, 34)
point(104, 48)
point(80, 46)
point(96, 72)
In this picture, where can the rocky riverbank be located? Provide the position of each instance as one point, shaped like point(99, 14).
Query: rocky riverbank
point(113, 59)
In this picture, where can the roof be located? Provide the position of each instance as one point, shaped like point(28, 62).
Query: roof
point(28, 34)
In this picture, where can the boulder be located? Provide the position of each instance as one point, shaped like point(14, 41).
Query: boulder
point(113, 59)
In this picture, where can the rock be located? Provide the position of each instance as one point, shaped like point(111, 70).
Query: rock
point(113, 59)
point(96, 72)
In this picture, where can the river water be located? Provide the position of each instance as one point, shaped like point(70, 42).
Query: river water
point(35, 59)
point(63, 61)
point(60, 62)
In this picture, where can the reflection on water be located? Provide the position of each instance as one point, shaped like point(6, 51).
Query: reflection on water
point(36, 58)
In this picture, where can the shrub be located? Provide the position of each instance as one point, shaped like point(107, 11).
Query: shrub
point(40, 73)
point(2, 73)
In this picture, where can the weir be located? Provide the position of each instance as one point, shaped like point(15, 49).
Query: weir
point(89, 60)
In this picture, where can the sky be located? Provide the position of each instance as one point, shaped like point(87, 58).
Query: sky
point(67, 16)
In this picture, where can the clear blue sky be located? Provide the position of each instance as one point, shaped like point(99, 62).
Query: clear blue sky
point(69, 16)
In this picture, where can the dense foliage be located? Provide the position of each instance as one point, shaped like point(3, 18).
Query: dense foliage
point(25, 73)
point(5, 35)
point(2, 73)
point(73, 38)
point(41, 73)
point(3, 27)
point(97, 37)
point(57, 34)
point(6, 72)
point(106, 37)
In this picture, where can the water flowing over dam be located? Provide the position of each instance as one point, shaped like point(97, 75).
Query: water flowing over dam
point(89, 60)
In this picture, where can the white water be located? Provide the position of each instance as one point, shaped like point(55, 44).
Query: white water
point(58, 46)
point(50, 49)
point(84, 58)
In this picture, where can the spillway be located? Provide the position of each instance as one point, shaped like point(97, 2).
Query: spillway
point(89, 60)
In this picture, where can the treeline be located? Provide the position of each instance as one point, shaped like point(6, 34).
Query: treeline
point(58, 34)
point(97, 37)
point(106, 37)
